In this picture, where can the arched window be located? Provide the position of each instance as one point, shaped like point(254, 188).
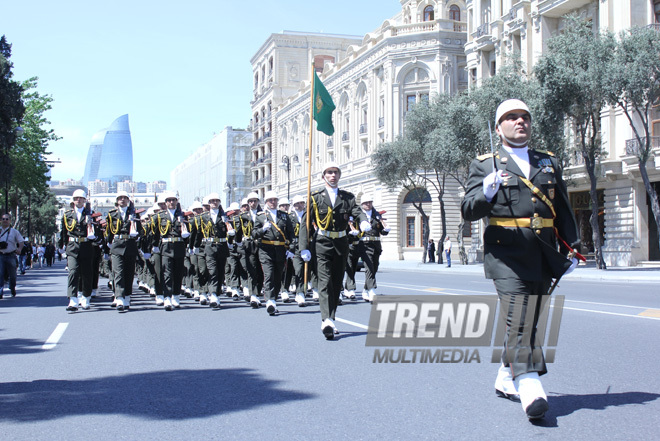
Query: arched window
point(454, 13)
point(417, 195)
point(428, 13)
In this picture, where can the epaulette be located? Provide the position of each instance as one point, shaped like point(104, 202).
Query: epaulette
point(347, 193)
point(114, 210)
point(317, 192)
point(546, 152)
point(484, 157)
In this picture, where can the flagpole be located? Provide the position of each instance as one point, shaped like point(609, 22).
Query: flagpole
point(309, 170)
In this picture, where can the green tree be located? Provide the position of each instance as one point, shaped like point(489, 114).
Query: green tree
point(37, 215)
point(573, 71)
point(634, 86)
point(11, 112)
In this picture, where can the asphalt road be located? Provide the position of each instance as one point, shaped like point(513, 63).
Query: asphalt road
point(238, 373)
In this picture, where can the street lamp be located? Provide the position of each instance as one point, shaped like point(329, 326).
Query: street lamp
point(286, 165)
point(229, 186)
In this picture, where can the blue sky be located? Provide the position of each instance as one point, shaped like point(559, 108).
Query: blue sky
point(180, 70)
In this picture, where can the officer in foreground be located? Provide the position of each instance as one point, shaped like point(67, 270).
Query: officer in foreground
point(530, 223)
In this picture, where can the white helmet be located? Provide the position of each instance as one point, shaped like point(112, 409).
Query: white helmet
point(297, 198)
point(509, 106)
point(155, 207)
point(234, 206)
point(79, 194)
point(168, 195)
point(328, 165)
point(122, 193)
point(284, 201)
point(196, 205)
point(213, 196)
point(270, 194)
point(367, 197)
point(244, 201)
point(253, 195)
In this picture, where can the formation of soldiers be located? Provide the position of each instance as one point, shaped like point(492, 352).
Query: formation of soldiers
point(249, 253)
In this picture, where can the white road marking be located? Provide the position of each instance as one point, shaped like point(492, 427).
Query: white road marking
point(348, 322)
point(613, 313)
point(55, 336)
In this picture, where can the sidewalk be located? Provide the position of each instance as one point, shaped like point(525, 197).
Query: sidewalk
point(583, 272)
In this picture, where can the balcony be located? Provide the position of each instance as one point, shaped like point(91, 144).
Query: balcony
point(483, 38)
point(345, 137)
point(633, 147)
point(381, 122)
point(330, 144)
point(363, 130)
point(430, 26)
point(559, 8)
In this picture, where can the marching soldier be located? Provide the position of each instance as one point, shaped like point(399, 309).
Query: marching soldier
point(172, 230)
point(297, 263)
point(77, 234)
point(330, 209)
point(523, 195)
point(368, 246)
point(237, 273)
point(193, 246)
point(285, 205)
point(251, 250)
point(122, 233)
point(273, 230)
point(213, 226)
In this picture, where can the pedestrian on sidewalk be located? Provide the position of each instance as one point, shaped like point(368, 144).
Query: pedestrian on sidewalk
point(447, 249)
point(11, 245)
point(431, 251)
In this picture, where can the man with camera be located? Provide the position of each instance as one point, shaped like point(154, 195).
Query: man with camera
point(11, 245)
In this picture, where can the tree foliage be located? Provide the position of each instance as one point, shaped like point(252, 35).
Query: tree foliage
point(573, 71)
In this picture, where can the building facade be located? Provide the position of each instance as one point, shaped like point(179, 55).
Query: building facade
point(222, 165)
point(110, 156)
point(499, 28)
point(409, 58)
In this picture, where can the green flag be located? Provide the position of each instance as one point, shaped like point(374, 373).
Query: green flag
point(323, 107)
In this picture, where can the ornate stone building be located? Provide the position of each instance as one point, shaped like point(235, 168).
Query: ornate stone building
point(497, 28)
point(373, 82)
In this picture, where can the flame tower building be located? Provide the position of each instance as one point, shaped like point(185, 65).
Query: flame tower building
point(110, 156)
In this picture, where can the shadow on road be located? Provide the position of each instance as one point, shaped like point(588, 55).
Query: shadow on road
point(168, 395)
point(20, 346)
point(565, 404)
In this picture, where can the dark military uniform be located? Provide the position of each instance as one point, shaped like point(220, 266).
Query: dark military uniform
point(331, 243)
point(297, 263)
point(521, 249)
point(369, 248)
point(237, 272)
point(123, 249)
point(273, 244)
point(250, 254)
point(172, 251)
point(79, 251)
point(215, 250)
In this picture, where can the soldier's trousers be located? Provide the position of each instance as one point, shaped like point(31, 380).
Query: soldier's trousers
point(96, 266)
point(330, 272)
point(158, 273)
point(80, 275)
point(272, 259)
point(215, 262)
point(253, 268)
point(202, 272)
point(237, 274)
point(521, 304)
point(370, 253)
point(351, 268)
point(173, 269)
point(123, 270)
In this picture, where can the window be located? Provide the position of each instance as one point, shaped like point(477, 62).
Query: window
point(410, 231)
point(410, 102)
point(467, 229)
point(417, 195)
point(428, 13)
point(454, 13)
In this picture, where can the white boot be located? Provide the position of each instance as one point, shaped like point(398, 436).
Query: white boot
point(285, 297)
point(532, 396)
point(73, 304)
point(504, 385)
point(168, 304)
point(271, 307)
point(202, 298)
point(127, 302)
point(350, 294)
point(160, 300)
point(255, 302)
point(300, 300)
point(196, 295)
point(372, 295)
point(246, 292)
point(119, 302)
point(214, 301)
point(315, 295)
point(365, 296)
point(84, 302)
point(93, 293)
point(176, 301)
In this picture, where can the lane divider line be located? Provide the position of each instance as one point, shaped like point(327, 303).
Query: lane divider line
point(348, 322)
point(55, 336)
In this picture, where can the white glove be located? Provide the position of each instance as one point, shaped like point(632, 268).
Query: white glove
point(266, 226)
point(106, 257)
point(570, 269)
point(155, 250)
point(354, 232)
point(306, 255)
point(492, 184)
point(195, 250)
point(185, 235)
point(231, 246)
point(289, 255)
point(231, 233)
point(386, 230)
point(146, 256)
point(91, 237)
point(365, 225)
